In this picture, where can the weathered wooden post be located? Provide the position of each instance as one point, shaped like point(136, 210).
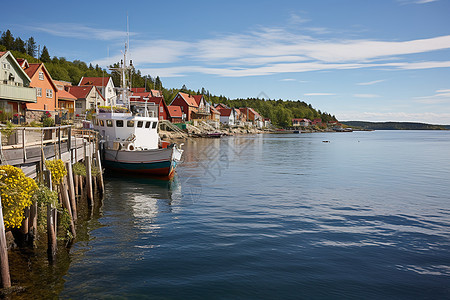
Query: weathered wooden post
point(100, 176)
point(51, 221)
point(66, 204)
point(4, 264)
point(90, 194)
point(71, 190)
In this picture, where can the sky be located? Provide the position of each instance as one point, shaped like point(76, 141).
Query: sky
point(384, 60)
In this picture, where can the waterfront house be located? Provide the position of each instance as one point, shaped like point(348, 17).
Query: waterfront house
point(187, 103)
point(203, 111)
point(88, 97)
point(267, 122)
point(66, 101)
point(301, 122)
point(104, 84)
point(156, 93)
point(161, 106)
point(15, 90)
point(316, 122)
point(229, 116)
point(175, 114)
point(252, 116)
point(215, 114)
point(46, 90)
point(220, 106)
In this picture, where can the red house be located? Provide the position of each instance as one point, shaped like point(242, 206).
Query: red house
point(176, 115)
point(187, 103)
point(163, 112)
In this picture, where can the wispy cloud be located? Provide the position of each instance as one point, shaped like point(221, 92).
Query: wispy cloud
point(371, 82)
point(424, 1)
point(269, 51)
point(319, 94)
point(80, 31)
point(440, 96)
point(366, 96)
point(288, 79)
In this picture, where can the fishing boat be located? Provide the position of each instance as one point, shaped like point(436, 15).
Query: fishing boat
point(130, 140)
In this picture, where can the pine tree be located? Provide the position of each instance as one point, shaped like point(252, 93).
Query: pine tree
point(7, 40)
point(158, 83)
point(45, 56)
point(19, 45)
point(31, 47)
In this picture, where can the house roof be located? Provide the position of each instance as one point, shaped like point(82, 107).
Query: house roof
point(221, 106)
point(198, 98)
point(190, 100)
point(155, 93)
point(175, 111)
point(2, 53)
point(301, 120)
point(63, 95)
point(138, 90)
point(226, 112)
point(61, 83)
point(80, 91)
point(96, 81)
point(214, 110)
point(14, 61)
point(23, 62)
point(33, 68)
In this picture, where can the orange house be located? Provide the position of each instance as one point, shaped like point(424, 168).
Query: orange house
point(46, 91)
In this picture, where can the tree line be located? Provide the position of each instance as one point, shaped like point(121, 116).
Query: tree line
point(279, 111)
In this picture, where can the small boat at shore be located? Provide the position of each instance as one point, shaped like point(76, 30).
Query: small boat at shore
point(130, 138)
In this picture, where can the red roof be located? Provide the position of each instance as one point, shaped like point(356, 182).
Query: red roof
point(198, 98)
point(2, 53)
point(31, 70)
point(221, 106)
point(80, 91)
point(138, 90)
point(226, 112)
point(175, 111)
point(63, 95)
point(190, 100)
point(155, 93)
point(96, 81)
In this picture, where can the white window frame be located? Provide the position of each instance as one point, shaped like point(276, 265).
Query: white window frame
point(39, 92)
point(41, 75)
point(49, 93)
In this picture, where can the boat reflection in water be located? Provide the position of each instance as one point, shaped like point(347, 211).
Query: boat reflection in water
point(140, 199)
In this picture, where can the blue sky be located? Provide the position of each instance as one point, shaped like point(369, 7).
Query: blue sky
point(386, 60)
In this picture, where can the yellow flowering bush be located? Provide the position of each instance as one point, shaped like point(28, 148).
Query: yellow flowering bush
point(16, 191)
point(57, 169)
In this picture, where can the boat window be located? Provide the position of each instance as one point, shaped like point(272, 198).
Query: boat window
point(109, 123)
point(140, 123)
point(130, 123)
point(119, 123)
point(154, 125)
point(147, 125)
point(102, 123)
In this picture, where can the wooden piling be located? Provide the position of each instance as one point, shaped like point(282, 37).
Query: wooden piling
point(4, 264)
point(66, 204)
point(90, 194)
point(100, 169)
point(51, 221)
point(33, 220)
point(71, 190)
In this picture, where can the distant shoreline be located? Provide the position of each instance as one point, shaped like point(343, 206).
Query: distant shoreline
point(394, 125)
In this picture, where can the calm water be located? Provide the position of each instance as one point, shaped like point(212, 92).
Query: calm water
point(365, 215)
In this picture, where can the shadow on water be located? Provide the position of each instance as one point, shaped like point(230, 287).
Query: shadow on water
point(32, 275)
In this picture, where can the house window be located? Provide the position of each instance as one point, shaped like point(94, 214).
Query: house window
point(78, 105)
point(45, 107)
point(119, 123)
point(130, 123)
point(140, 123)
point(161, 109)
point(49, 93)
point(41, 75)
point(39, 92)
point(109, 123)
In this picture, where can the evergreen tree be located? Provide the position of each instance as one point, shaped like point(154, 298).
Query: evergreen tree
point(7, 40)
point(184, 88)
point(45, 56)
point(19, 45)
point(158, 83)
point(31, 47)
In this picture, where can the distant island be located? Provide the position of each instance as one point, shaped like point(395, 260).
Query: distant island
point(394, 125)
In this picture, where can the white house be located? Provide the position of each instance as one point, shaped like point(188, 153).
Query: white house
point(104, 84)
